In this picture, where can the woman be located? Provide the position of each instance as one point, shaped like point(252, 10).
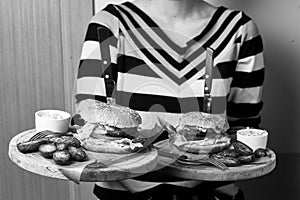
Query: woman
point(157, 56)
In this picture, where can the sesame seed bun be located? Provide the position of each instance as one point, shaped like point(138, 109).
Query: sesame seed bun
point(217, 122)
point(111, 115)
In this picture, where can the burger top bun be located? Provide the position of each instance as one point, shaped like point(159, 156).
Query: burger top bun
point(111, 115)
point(217, 122)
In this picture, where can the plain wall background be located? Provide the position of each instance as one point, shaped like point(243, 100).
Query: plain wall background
point(40, 46)
point(279, 24)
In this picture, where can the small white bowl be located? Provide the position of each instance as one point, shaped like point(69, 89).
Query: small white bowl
point(254, 138)
point(52, 120)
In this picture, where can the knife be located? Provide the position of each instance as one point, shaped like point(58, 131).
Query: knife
point(207, 100)
point(106, 73)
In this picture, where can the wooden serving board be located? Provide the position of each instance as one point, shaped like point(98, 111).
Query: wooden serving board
point(128, 165)
point(171, 167)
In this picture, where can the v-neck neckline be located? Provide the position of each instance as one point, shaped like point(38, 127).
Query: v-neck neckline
point(179, 49)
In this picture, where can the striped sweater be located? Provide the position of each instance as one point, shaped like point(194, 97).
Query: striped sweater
point(156, 75)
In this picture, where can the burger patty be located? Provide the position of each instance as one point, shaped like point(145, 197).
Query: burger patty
point(119, 133)
point(111, 131)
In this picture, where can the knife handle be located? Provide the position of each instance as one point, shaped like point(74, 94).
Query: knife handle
point(207, 101)
point(106, 68)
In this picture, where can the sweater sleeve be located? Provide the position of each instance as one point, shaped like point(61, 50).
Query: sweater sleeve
point(245, 98)
point(90, 82)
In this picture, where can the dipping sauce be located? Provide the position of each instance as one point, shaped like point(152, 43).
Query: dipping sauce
point(252, 132)
point(52, 115)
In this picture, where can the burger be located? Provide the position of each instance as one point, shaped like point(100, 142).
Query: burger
point(110, 128)
point(200, 132)
point(196, 125)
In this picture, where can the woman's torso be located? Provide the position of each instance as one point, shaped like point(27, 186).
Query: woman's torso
point(158, 76)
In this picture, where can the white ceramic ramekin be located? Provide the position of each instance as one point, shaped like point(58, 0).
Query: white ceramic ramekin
point(254, 138)
point(52, 120)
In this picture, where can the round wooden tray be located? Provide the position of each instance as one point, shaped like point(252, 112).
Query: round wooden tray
point(128, 165)
point(210, 173)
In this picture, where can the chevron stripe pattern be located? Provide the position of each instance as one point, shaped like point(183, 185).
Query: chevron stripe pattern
point(156, 74)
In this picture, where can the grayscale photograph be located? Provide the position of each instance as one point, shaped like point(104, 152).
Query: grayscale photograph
point(149, 99)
